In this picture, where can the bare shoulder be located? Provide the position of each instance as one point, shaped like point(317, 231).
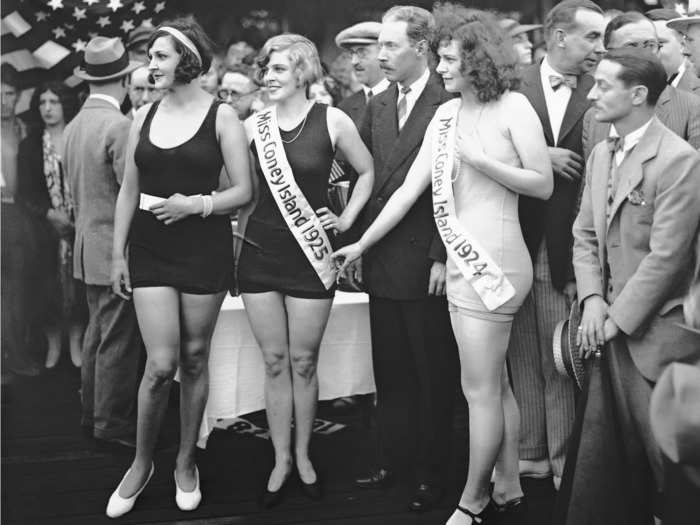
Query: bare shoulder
point(514, 101)
point(338, 118)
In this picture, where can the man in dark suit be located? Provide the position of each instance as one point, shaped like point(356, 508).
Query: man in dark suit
point(414, 352)
point(557, 89)
point(680, 71)
point(677, 110)
point(634, 261)
point(360, 41)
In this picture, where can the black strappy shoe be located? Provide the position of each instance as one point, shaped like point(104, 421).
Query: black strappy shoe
point(512, 507)
point(487, 514)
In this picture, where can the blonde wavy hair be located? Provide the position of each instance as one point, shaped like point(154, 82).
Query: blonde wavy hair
point(302, 53)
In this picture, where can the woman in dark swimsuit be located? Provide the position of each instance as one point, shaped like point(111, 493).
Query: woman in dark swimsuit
point(288, 291)
point(180, 257)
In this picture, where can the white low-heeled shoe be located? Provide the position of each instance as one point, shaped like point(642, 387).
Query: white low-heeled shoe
point(188, 500)
point(117, 505)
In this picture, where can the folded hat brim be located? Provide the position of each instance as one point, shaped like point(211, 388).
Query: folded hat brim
point(523, 29)
point(356, 41)
point(84, 75)
point(679, 24)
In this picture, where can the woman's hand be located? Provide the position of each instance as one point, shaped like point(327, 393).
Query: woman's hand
point(177, 207)
point(60, 222)
point(330, 221)
point(121, 282)
point(346, 255)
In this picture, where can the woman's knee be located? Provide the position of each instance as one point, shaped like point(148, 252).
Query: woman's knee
point(481, 391)
point(160, 371)
point(276, 362)
point(194, 355)
point(304, 364)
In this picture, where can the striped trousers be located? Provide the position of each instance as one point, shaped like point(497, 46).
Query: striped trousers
point(545, 398)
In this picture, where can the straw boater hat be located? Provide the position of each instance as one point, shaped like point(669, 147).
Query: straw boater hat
point(513, 28)
point(681, 24)
point(105, 59)
point(360, 34)
point(567, 360)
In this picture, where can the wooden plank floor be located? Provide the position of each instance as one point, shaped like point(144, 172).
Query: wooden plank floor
point(53, 474)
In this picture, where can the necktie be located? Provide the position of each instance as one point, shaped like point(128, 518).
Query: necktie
point(402, 106)
point(671, 79)
point(557, 81)
point(614, 145)
point(369, 95)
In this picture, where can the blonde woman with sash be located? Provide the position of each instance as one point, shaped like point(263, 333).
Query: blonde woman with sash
point(285, 273)
point(180, 256)
point(480, 152)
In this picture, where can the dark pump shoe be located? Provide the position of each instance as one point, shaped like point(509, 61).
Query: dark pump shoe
point(271, 499)
point(313, 490)
point(378, 479)
point(425, 497)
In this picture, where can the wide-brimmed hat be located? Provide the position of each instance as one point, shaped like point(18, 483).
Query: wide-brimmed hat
point(514, 28)
point(674, 413)
point(567, 360)
point(105, 59)
point(359, 34)
point(681, 24)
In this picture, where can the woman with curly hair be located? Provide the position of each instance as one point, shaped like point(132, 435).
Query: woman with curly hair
point(180, 245)
point(44, 190)
point(481, 151)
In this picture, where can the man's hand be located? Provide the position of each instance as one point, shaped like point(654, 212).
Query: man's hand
point(569, 292)
point(566, 163)
point(591, 332)
point(436, 284)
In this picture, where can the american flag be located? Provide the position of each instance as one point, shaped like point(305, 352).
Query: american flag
point(45, 39)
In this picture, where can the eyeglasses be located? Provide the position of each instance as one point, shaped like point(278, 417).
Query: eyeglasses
point(652, 45)
point(225, 94)
point(360, 52)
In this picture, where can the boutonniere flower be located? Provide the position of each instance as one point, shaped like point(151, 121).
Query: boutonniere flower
point(636, 197)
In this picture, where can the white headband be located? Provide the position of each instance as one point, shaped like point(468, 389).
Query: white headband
point(183, 39)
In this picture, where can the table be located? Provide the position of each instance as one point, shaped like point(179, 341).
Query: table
point(236, 368)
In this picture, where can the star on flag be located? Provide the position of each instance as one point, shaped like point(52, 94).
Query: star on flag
point(58, 32)
point(90, 2)
point(138, 7)
point(55, 4)
point(79, 45)
point(78, 13)
point(103, 21)
point(127, 25)
point(115, 4)
point(41, 16)
point(159, 7)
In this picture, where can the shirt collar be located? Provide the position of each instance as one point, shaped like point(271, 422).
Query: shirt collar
point(377, 88)
point(681, 72)
point(546, 69)
point(418, 85)
point(633, 137)
point(106, 98)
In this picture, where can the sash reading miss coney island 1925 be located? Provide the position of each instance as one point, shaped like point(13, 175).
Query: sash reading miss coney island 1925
point(296, 210)
point(476, 265)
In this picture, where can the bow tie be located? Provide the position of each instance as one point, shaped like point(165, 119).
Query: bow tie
point(615, 144)
point(556, 81)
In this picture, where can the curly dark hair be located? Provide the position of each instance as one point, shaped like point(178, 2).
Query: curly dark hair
point(189, 67)
point(488, 59)
point(66, 95)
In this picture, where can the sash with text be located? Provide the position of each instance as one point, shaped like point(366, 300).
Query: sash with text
point(471, 259)
point(296, 210)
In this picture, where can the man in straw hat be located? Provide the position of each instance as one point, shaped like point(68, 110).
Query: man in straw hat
point(634, 246)
point(689, 26)
point(95, 149)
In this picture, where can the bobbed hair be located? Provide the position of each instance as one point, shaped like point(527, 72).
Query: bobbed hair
point(189, 66)
point(488, 60)
point(303, 56)
point(66, 96)
point(640, 67)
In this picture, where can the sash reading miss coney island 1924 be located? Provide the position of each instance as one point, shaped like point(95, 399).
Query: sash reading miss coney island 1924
point(296, 210)
point(473, 262)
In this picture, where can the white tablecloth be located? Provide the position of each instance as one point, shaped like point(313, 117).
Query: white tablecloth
point(236, 369)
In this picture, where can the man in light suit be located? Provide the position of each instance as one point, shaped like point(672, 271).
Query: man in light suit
point(413, 348)
point(634, 253)
point(557, 89)
point(681, 73)
point(677, 110)
point(93, 158)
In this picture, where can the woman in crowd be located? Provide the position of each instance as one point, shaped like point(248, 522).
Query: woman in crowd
point(481, 151)
point(180, 245)
point(44, 190)
point(285, 274)
point(326, 91)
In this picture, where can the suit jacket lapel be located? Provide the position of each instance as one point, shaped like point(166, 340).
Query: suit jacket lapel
point(386, 131)
point(578, 104)
point(630, 173)
point(662, 105)
point(532, 89)
point(599, 196)
point(413, 131)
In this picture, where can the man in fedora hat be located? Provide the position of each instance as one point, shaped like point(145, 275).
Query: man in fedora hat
point(93, 157)
point(689, 26)
point(634, 247)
